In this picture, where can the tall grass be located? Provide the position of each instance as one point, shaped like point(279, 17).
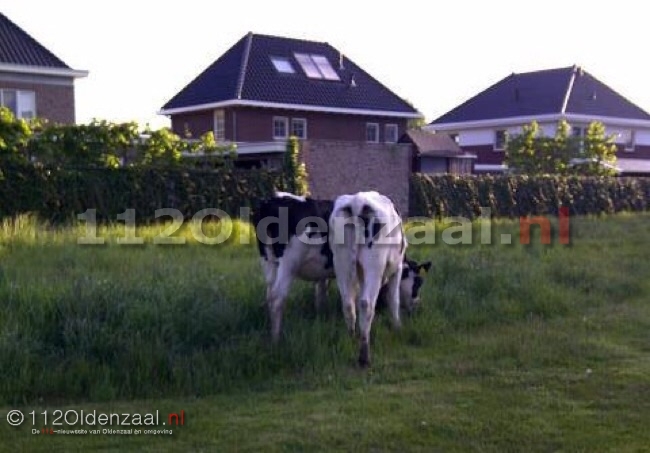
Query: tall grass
point(114, 321)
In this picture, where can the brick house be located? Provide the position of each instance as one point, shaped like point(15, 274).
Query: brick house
point(33, 81)
point(266, 88)
point(481, 124)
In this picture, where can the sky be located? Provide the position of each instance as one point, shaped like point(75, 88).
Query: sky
point(434, 54)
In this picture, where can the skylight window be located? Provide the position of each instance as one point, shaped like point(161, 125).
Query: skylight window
point(316, 66)
point(325, 67)
point(283, 65)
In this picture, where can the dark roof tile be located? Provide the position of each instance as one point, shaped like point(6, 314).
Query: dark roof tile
point(18, 47)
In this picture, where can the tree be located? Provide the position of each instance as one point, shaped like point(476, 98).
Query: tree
point(295, 172)
point(532, 153)
point(598, 150)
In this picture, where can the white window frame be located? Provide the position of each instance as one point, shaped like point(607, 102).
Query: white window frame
point(316, 66)
point(284, 120)
point(303, 121)
point(395, 128)
point(220, 125)
point(496, 139)
point(21, 95)
point(630, 143)
point(376, 127)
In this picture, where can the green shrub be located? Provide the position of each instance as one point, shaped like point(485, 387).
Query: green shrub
point(521, 195)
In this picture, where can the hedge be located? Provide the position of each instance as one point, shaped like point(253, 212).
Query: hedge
point(515, 196)
point(59, 195)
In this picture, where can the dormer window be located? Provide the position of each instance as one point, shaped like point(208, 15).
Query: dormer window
point(316, 66)
point(283, 65)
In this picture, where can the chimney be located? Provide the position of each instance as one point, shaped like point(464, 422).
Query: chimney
point(341, 67)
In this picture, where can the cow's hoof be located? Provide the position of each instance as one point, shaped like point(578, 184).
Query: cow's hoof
point(364, 356)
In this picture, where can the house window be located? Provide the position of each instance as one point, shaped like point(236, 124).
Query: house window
point(299, 127)
point(372, 132)
point(500, 137)
point(219, 125)
point(630, 138)
point(280, 127)
point(390, 133)
point(21, 103)
point(283, 65)
point(579, 133)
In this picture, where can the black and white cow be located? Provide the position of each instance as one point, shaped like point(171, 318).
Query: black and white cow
point(369, 251)
point(292, 238)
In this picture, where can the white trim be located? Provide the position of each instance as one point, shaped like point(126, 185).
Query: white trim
point(520, 120)
point(244, 66)
point(279, 105)
point(606, 120)
point(584, 160)
point(633, 165)
point(42, 70)
point(567, 95)
point(242, 148)
point(285, 120)
point(490, 167)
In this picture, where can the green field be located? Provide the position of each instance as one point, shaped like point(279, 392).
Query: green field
point(515, 348)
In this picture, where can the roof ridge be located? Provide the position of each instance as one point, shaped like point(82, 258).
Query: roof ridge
point(290, 38)
point(244, 65)
point(567, 95)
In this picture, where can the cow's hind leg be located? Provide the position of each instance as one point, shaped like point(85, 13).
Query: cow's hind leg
point(367, 302)
point(277, 298)
point(392, 297)
point(270, 269)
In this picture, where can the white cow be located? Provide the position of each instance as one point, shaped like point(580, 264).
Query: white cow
point(368, 247)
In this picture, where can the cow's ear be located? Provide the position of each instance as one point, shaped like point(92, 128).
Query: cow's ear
point(424, 268)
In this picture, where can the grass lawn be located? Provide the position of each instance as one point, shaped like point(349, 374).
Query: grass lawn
point(515, 348)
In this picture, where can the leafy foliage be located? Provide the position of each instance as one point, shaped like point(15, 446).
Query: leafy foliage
point(14, 136)
point(532, 153)
point(295, 172)
point(59, 171)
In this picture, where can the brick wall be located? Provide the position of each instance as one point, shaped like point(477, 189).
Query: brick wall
point(340, 167)
point(53, 102)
